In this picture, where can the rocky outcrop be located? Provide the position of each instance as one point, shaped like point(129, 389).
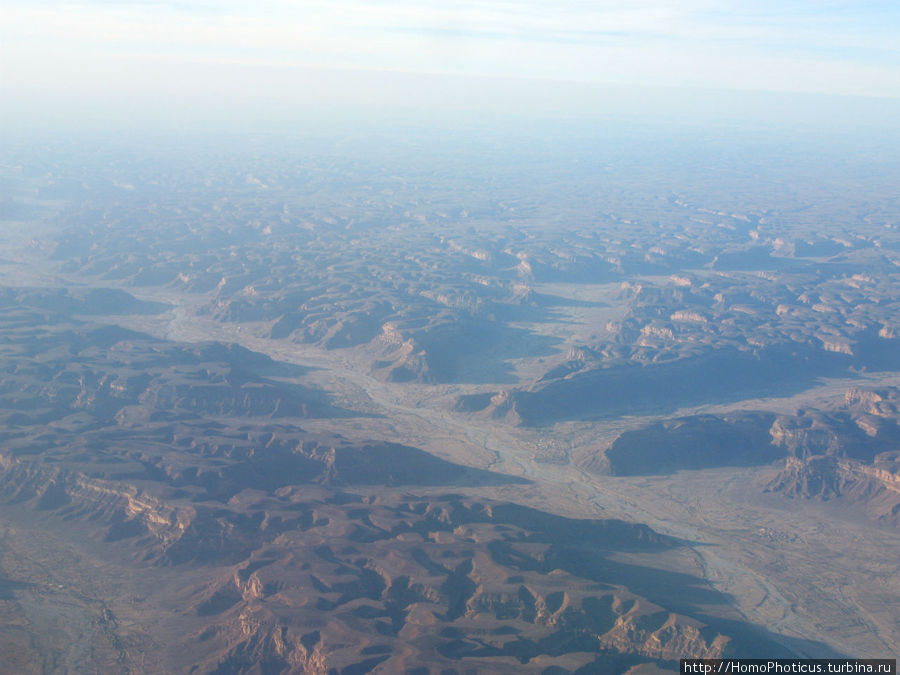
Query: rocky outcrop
point(873, 488)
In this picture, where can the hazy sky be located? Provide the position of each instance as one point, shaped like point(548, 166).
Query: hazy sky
point(95, 52)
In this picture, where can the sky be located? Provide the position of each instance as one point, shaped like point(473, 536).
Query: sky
point(111, 54)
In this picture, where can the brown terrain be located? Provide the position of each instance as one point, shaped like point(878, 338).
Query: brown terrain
point(362, 421)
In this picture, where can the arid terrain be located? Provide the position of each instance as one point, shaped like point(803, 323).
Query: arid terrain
point(292, 411)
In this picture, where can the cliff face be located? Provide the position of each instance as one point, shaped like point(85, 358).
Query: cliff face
point(874, 487)
point(123, 509)
point(311, 578)
point(454, 584)
point(274, 548)
point(848, 450)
